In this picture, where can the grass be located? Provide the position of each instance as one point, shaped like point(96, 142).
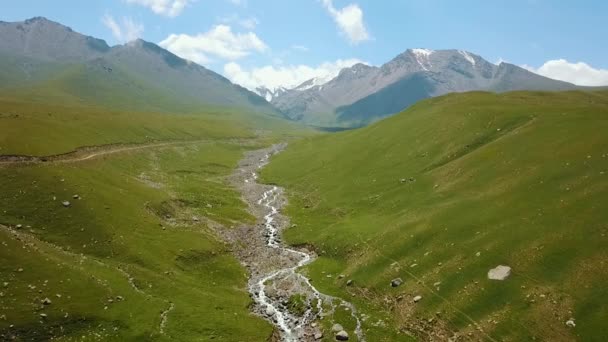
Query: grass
point(136, 256)
point(86, 253)
point(520, 179)
point(35, 128)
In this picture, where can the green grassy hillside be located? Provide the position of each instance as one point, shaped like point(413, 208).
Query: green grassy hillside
point(126, 260)
point(46, 120)
point(136, 256)
point(450, 188)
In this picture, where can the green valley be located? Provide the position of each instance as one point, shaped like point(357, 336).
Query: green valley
point(244, 175)
point(447, 190)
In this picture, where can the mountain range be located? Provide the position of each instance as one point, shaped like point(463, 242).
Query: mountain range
point(137, 75)
point(362, 93)
point(141, 75)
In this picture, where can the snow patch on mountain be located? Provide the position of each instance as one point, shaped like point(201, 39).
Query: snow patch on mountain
point(269, 94)
point(423, 57)
point(467, 56)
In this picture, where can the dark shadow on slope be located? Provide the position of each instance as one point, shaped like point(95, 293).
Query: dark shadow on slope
point(390, 100)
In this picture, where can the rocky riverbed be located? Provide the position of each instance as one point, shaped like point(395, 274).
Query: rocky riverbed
point(282, 295)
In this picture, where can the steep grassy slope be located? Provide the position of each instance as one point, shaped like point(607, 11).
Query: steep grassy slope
point(451, 188)
point(46, 120)
point(126, 261)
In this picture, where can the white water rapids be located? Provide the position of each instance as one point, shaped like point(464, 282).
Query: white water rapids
point(291, 326)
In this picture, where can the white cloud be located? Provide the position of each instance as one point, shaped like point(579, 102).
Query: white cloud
point(125, 31)
point(349, 20)
point(578, 73)
point(249, 23)
point(289, 76)
point(218, 42)
point(169, 8)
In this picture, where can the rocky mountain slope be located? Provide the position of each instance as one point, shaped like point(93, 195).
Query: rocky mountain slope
point(361, 94)
point(135, 75)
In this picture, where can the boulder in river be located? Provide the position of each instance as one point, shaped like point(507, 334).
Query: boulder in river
point(500, 272)
point(342, 336)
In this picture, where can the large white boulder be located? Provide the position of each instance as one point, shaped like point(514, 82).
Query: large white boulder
point(500, 272)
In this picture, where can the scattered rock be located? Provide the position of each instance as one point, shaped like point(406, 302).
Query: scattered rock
point(417, 299)
point(396, 282)
point(349, 282)
point(499, 273)
point(46, 301)
point(337, 328)
point(76, 197)
point(19, 226)
point(478, 254)
point(437, 284)
point(195, 219)
point(66, 203)
point(43, 316)
point(342, 336)
point(318, 335)
point(570, 323)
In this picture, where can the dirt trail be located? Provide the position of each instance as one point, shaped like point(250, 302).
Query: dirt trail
point(273, 266)
point(92, 152)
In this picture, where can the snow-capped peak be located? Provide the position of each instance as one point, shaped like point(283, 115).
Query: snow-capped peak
point(467, 56)
point(425, 53)
point(422, 57)
point(317, 81)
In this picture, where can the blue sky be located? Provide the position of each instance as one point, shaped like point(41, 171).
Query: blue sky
point(278, 42)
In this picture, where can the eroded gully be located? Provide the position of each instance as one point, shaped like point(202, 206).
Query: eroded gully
point(275, 283)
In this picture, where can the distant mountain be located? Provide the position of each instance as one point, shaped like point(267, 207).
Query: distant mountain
point(361, 94)
point(270, 94)
point(139, 74)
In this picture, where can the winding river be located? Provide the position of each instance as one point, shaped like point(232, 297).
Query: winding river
point(273, 265)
